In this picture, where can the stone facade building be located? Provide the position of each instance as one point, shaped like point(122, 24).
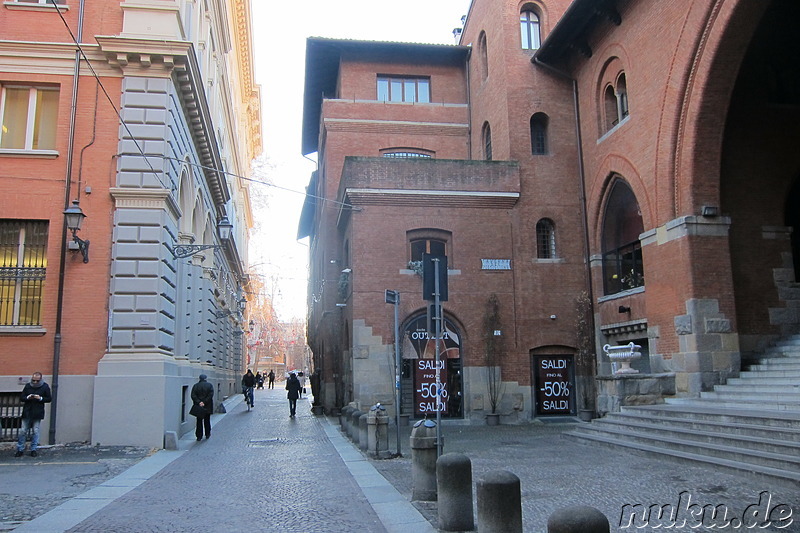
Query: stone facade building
point(623, 169)
point(143, 115)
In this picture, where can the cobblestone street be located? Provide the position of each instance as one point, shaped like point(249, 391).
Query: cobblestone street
point(263, 471)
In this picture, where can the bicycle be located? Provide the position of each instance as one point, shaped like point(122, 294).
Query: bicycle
point(248, 397)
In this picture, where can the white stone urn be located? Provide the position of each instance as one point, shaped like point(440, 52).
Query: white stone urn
point(623, 355)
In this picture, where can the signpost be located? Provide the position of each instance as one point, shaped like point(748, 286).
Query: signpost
point(393, 297)
point(434, 287)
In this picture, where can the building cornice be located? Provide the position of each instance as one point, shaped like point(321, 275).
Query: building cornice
point(176, 59)
point(28, 57)
point(431, 198)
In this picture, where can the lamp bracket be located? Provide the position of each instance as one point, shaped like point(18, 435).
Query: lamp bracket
point(187, 250)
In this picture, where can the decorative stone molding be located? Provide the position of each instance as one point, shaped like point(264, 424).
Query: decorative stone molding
point(145, 199)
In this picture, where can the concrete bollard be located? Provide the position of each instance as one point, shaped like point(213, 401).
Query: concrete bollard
point(352, 430)
point(378, 432)
point(170, 440)
point(578, 519)
point(362, 432)
point(499, 503)
point(454, 488)
point(344, 418)
point(423, 461)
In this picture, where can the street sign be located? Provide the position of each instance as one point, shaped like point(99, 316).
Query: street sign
point(392, 297)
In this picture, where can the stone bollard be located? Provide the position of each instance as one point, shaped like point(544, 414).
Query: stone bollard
point(362, 431)
point(423, 461)
point(577, 519)
point(170, 440)
point(378, 432)
point(344, 419)
point(352, 429)
point(454, 487)
point(499, 503)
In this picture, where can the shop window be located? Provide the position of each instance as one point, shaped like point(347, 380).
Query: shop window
point(23, 264)
point(29, 116)
point(623, 268)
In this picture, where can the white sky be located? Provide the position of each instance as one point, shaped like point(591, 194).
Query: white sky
point(280, 29)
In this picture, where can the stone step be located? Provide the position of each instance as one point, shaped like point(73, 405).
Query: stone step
point(726, 451)
point(776, 365)
point(758, 439)
point(694, 409)
point(749, 380)
point(734, 393)
point(761, 473)
point(792, 374)
point(767, 387)
point(719, 425)
point(751, 403)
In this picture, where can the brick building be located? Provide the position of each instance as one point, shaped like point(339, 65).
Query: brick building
point(141, 114)
point(636, 156)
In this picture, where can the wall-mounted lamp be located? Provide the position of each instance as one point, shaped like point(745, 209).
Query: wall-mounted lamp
point(224, 230)
point(229, 312)
point(553, 317)
point(74, 217)
point(341, 305)
point(347, 270)
point(624, 309)
point(709, 211)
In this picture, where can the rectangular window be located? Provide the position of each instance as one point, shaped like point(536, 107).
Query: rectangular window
point(29, 116)
point(427, 246)
point(41, 1)
point(23, 264)
point(404, 89)
point(623, 268)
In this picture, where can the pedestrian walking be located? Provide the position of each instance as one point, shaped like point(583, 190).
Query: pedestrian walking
point(34, 395)
point(301, 377)
point(294, 387)
point(271, 377)
point(202, 406)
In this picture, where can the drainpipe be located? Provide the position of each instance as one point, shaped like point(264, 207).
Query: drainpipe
point(582, 176)
point(63, 258)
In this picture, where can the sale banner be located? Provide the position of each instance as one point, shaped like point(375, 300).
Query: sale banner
point(555, 385)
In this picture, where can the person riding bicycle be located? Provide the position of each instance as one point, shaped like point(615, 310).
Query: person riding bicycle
point(248, 382)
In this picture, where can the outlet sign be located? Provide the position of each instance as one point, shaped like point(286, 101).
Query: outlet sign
point(555, 384)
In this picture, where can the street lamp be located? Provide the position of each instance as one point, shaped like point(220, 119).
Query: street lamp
point(74, 217)
point(224, 230)
point(229, 312)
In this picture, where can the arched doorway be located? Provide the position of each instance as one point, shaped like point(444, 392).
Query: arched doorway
point(418, 379)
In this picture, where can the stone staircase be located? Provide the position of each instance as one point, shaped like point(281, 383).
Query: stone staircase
point(751, 424)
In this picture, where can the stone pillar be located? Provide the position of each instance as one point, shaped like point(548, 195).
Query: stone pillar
point(577, 519)
point(454, 488)
point(499, 503)
point(423, 461)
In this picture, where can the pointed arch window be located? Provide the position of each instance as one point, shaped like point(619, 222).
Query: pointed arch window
point(539, 134)
point(484, 56)
point(487, 141)
point(623, 268)
point(545, 239)
point(529, 30)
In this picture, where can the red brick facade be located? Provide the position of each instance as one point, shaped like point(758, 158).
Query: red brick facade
point(688, 106)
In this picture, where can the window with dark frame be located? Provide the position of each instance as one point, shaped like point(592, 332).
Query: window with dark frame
point(545, 239)
point(529, 30)
point(427, 246)
point(487, 142)
point(539, 134)
point(23, 265)
point(406, 89)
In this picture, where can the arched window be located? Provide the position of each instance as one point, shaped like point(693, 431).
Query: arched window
point(487, 141)
point(529, 30)
point(484, 56)
point(622, 96)
point(539, 134)
point(610, 107)
point(545, 239)
point(622, 250)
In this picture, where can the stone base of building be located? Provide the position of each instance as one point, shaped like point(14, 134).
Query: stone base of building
point(614, 392)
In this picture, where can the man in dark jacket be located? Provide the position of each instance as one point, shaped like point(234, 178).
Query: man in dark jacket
point(203, 400)
point(294, 387)
point(248, 382)
point(34, 395)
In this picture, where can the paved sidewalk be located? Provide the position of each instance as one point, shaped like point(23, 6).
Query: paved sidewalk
point(262, 471)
